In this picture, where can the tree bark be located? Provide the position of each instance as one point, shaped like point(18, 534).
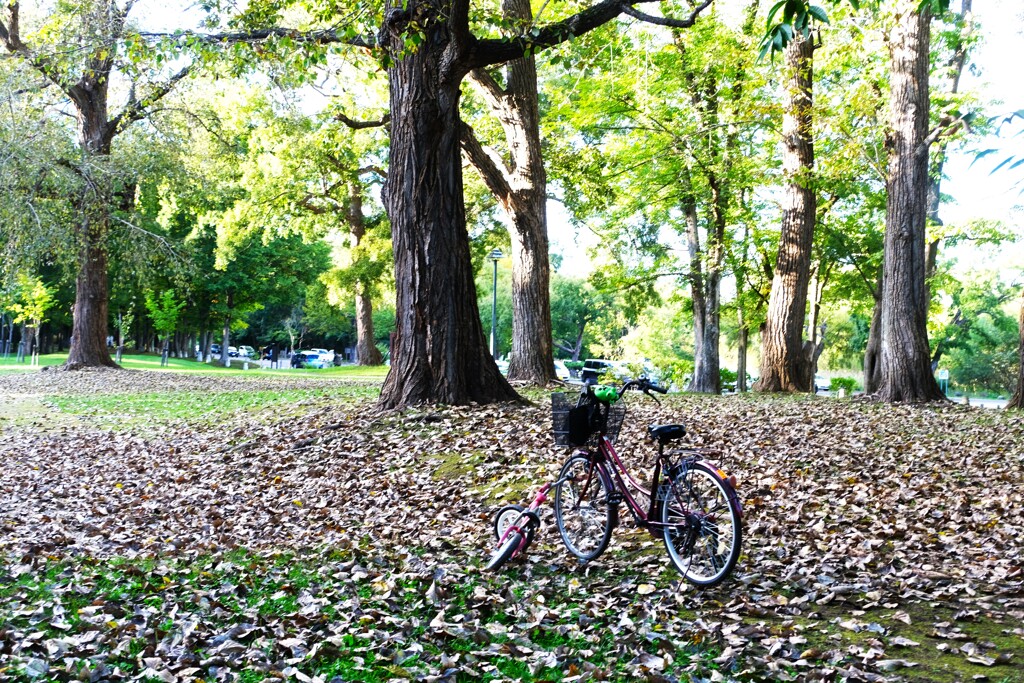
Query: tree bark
point(785, 362)
point(741, 348)
point(904, 359)
point(440, 351)
point(367, 352)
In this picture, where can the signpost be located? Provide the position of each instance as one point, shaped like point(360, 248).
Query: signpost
point(943, 377)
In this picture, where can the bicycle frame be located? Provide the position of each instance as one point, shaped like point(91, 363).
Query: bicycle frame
point(607, 459)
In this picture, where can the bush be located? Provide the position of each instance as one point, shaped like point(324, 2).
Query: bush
point(847, 383)
point(574, 364)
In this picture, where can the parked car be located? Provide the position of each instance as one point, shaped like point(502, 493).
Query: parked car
point(233, 352)
point(327, 356)
point(308, 359)
point(561, 372)
point(246, 352)
point(214, 349)
point(593, 368)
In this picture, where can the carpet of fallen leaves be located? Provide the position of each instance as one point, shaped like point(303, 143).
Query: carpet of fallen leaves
point(332, 542)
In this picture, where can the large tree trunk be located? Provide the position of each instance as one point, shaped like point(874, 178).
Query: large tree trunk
point(90, 312)
point(1017, 400)
point(367, 352)
point(785, 365)
point(533, 358)
point(904, 361)
point(520, 186)
point(440, 350)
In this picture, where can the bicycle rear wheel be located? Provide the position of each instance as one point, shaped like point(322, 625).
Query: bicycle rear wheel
point(582, 511)
point(702, 530)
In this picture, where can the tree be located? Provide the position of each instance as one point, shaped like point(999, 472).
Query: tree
point(164, 312)
point(904, 360)
point(576, 309)
point(440, 350)
point(33, 300)
point(326, 171)
point(787, 363)
point(673, 154)
point(519, 183)
point(79, 51)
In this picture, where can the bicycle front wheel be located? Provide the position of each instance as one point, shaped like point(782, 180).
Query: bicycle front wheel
point(702, 524)
point(582, 511)
point(504, 552)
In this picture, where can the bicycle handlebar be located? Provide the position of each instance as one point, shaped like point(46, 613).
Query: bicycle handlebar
point(643, 384)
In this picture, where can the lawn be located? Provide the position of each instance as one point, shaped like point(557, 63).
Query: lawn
point(187, 365)
point(306, 536)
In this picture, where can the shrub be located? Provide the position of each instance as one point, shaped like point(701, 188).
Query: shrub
point(847, 383)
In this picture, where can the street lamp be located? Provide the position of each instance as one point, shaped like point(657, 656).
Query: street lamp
point(494, 256)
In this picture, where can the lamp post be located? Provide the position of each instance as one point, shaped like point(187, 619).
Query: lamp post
point(494, 256)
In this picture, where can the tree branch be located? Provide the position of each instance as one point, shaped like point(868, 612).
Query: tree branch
point(947, 126)
point(488, 87)
point(322, 37)
point(360, 125)
point(373, 169)
point(135, 109)
point(488, 164)
point(499, 50)
point(666, 21)
point(163, 241)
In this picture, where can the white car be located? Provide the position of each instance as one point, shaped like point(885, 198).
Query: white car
point(561, 372)
point(326, 356)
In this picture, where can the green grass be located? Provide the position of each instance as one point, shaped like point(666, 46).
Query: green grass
point(152, 362)
point(197, 406)
point(242, 587)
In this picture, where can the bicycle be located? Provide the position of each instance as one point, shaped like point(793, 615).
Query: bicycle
point(691, 503)
point(514, 527)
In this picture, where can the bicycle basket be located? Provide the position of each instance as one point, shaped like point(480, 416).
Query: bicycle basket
point(583, 423)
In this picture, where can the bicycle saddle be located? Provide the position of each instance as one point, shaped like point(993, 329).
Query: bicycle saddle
point(665, 433)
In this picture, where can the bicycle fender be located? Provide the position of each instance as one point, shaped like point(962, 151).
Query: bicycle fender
point(729, 490)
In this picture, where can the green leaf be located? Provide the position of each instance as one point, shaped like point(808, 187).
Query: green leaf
point(772, 12)
point(818, 13)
